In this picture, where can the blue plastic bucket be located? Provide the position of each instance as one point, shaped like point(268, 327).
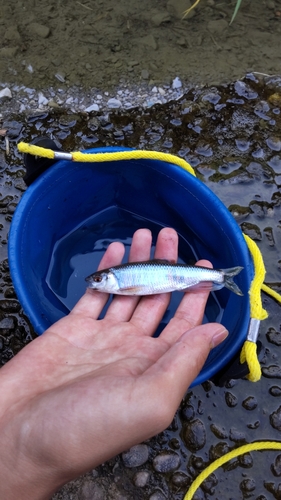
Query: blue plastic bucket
point(67, 217)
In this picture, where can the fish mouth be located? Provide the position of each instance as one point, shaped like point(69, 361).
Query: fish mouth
point(89, 279)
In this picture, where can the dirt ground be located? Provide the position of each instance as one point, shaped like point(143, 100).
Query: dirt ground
point(100, 44)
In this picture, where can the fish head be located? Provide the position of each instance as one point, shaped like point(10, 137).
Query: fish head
point(103, 281)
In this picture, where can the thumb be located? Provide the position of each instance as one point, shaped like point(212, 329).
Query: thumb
point(181, 364)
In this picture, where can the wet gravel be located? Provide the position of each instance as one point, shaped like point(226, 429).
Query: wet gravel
point(231, 135)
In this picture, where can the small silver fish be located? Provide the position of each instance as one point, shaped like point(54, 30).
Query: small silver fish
point(161, 276)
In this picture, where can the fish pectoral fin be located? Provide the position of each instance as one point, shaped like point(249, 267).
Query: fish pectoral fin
point(131, 290)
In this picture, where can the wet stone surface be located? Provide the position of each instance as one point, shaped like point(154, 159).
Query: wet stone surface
point(230, 134)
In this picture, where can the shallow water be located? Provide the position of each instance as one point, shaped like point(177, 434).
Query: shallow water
point(231, 135)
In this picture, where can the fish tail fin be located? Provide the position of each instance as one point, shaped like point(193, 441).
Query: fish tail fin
point(228, 279)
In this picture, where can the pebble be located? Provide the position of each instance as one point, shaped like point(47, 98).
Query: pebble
point(194, 435)
point(250, 403)
point(93, 107)
point(6, 93)
point(114, 103)
point(275, 391)
point(18, 99)
point(176, 83)
point(275, 419)
point(141, 478)
point(42, 100)
point(92, 491)
point(276, 466)
point(7, 323)
point(166, 462)
point(230, 399)
point(39, 29)
point(158, 495)
point(136, 456)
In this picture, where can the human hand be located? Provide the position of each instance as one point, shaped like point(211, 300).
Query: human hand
point(88, 389)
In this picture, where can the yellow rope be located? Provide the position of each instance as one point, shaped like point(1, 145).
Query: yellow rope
point(249, 349)
point(271, 292)
point(256, 309)
point(24, 147)
point(257, 446)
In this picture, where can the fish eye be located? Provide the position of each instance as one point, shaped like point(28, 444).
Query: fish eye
point(97, 279)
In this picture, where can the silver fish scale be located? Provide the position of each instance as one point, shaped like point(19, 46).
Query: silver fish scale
point(159, 277)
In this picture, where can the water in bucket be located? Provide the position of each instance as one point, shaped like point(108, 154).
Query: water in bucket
point(78, 253)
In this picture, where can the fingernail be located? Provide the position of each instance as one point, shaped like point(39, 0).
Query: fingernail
point(219, 337)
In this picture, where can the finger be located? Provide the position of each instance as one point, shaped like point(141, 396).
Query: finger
point(189, 313)
point(92, 302)
point(173, 373)
point(122, 307)
point(151, 308)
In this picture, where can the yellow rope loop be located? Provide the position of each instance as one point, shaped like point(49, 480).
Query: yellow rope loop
point(257, 446)
point(249, 354)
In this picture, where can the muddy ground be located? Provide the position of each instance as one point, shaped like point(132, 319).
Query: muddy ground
point(97, 43)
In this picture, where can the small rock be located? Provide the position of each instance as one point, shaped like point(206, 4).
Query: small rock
point(150, 41)
point(136, 456)
point(7, 323)
point(218, 450)
point(160, 18)
point(275, 391)
point(194, 435)
point(53, 104)
point(166, 462)
point(141, 478)
point(276, 466)
point(39, 29)
point(275, 419)
point(274, 143)
point(217, 26)
point(10, 306)
point(92, 107)
point(145, 74)
point(176, 83)
point(250, 403)
point(230, 399)
point(42, 100)
point(237, 436)
point(114, 103)
point(12, 34)
point(5, 93)
point(180, 480)
point(92, 491)
point(218, 431)
point(271, 5)
point(8, 52)
point(272, 371)
point(157, 495)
